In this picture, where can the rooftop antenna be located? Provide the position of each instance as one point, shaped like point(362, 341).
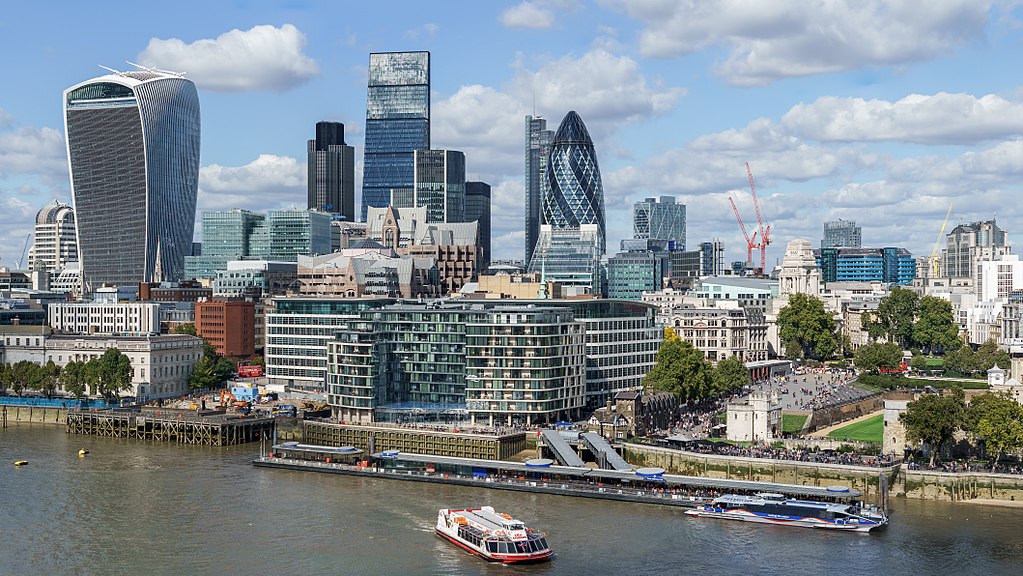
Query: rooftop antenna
point(109, 69)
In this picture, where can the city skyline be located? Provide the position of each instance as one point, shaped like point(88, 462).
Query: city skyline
point(896, 119)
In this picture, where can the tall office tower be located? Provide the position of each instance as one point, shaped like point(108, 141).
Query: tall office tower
point(397, 123)
point(712, 258)
point(967, 245)
point(438, 184)
point(477, 207)
point(842, 234)
point(133, 153)
point(54, 243)
point(331, 165)
point(225, 237)
point(573, 194)
point(538, 143)
point(660, 219)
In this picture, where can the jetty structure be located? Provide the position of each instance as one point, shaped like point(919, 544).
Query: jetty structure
point(171, 425)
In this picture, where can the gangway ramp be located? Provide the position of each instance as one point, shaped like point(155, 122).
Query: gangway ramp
point(564, 453)
point(598, 445)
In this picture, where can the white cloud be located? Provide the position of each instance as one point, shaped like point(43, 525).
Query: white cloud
point(527, 15)
point(788, 38)
point(428, 30)
point(924, 119)
point(27, 150)
point(486, 123)
point(261, 58)
point(269, 181)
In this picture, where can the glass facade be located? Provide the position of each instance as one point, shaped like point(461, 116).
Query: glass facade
point(133, 152)
point(842, 234)
point(499, 365)
point(397, 123)
point(636, 270)
point(477, 208)
point(331, 172)
point(661, 219)
point(570, 256)
point(890, 265)
point(573, 194)
point(538, 144)
point(439, 185)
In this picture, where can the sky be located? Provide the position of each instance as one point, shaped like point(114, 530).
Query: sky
point(882, 112)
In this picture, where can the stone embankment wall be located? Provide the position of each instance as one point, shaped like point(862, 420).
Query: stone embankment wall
point(959, 486)
point(862, 478)
point(40, 414)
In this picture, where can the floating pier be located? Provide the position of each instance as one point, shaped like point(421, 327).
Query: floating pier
point(168, 425)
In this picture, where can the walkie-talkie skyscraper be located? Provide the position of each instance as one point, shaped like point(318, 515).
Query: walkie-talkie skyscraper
point(133, 154)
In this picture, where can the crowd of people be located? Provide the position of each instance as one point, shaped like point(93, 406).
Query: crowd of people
point(797, 454)
point(966, 466)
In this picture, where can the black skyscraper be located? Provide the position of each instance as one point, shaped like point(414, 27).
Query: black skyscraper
point(331, 183)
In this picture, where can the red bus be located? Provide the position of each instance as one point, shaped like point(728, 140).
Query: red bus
point(250, 370)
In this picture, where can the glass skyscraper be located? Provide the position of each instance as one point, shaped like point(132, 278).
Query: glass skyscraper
point(477, 207)
point(538, 144)
point(573, 194)
point(331, 171)
point(842, 234)
point(133, 154)
point(439, 179)
point(660, 219)
point(397, 123)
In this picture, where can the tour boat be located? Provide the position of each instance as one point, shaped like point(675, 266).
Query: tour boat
point(767, 508)
point(493, 536)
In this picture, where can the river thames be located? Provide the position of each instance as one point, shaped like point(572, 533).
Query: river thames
point(144, 508)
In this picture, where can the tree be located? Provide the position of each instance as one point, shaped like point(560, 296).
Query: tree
point(188, 328)
point(223, 369)
point(989, 355)
point(934, 419)
point(91, 375)
point(5, 371)
point(680, 369)
point(50, 378)
point(204, 375)
point(805, 322)
point(961, 361)
point(874, 356)
point(257, 360)
point(919, 362)
point(935, 327)
point(72, 379)
point(893, 319)
point(21, 376)
point(115, 373)
point(996, 419)
point(730, 375)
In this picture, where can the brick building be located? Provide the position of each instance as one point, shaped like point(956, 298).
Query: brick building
point(230, 327)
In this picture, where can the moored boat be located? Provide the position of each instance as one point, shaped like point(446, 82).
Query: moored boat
point(765, 508)
point(493, 536)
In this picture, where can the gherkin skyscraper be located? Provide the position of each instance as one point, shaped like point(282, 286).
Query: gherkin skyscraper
point(574, 194)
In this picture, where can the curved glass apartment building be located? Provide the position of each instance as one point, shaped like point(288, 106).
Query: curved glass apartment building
point(574, 194)
point(133, 154)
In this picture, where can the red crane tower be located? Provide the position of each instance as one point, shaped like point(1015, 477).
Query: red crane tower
point(765, 234)
point(751, 243)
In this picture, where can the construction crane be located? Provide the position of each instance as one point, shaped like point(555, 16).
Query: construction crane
point(24, 251)
point(935, 264)
point(765, 234)
point(751, 243)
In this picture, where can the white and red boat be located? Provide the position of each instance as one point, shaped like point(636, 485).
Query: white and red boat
point(493, 536)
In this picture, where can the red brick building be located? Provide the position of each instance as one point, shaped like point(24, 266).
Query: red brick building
point(229, 326)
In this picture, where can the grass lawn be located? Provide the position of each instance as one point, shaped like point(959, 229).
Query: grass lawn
point(869, 430)
point(793, 423)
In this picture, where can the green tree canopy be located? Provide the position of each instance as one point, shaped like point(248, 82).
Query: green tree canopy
point(115, 373)
point(934, 419)
point(188, 328)
point(962, 361)
point(806, 325)
point(988, 355)
point(72, 378)
point(730, 375)
point(204, 375)
point(919, 362)
point(874, 356)
point(893, 319)
point(935, 328)
point(680, 369)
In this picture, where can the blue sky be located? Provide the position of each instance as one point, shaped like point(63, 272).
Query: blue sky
point(880, 112)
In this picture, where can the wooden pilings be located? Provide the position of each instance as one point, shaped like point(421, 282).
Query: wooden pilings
point(210, 431)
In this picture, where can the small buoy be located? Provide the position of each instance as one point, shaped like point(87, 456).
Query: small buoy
point(82, 452)
point(21, 462)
